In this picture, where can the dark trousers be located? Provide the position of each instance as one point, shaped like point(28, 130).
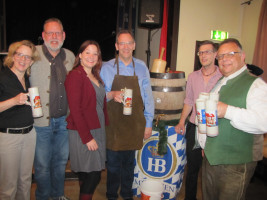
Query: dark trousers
point(89, 181)
point(120, 172)
point(194, 160)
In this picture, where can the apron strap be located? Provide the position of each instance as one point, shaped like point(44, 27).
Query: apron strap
point(117, 63)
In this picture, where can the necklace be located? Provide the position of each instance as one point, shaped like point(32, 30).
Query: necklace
point(208, 74)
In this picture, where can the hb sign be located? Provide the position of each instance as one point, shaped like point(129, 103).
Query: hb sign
point(168, 168)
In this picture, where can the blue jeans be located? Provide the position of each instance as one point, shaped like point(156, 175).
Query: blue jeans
point(120, 172)
point(51, 157)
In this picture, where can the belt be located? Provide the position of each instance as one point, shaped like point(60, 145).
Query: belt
point(16, 130)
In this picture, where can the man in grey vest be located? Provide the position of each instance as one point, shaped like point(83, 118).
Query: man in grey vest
point(52, 145)
point(231, 157)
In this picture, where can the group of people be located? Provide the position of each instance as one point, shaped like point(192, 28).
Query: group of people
point(83, 119)
point(77, 93)
point(229, 159)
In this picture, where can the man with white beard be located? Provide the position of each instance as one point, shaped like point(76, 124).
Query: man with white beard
point(52, 144)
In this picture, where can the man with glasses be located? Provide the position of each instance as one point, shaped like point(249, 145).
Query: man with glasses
point(125, 133)
point(199, 81)
point(231, 157)
point(52, 145)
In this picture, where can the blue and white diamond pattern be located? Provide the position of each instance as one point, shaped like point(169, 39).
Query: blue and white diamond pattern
point(172, 184)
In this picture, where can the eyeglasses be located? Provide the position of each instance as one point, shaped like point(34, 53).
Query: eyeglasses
point(226, 55)
point(53, 33)
point(125, 43)
point(20, 55)
point(202, 53)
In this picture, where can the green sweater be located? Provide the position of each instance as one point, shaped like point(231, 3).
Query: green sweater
point(232, 146)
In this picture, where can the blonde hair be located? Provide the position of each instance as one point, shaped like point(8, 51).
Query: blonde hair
point(8, 61)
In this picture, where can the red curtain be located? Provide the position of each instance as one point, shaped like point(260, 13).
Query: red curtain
point(260, 53)
point(163, 36)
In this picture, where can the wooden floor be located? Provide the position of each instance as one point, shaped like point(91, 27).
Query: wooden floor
point(72, 189)
point(257, 189)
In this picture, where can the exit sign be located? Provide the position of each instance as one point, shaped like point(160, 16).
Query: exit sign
point(219, 35)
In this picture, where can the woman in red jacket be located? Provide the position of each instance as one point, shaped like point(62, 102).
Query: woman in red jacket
point(87, 118)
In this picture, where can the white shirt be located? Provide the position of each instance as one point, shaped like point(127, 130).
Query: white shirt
point(253, 119)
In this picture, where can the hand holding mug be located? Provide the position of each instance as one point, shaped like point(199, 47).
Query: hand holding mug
point(221, 108)
point(117, 96)
point(22, 99)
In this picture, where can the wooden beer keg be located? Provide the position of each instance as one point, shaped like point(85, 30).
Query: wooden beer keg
point(169, 92)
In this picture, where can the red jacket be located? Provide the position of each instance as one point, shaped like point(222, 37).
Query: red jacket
point(82, 103)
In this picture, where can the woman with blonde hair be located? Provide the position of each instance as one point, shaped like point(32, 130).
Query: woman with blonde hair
point(17, 135)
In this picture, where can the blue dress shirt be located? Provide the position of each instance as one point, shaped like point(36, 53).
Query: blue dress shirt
point(109, 70)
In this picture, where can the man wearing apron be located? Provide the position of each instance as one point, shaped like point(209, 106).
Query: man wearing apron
point(125, 133)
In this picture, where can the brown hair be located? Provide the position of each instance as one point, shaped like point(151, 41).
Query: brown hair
point(96, 69)
point(124, 31)
point(214, 45)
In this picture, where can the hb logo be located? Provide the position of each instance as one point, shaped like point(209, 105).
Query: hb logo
point(154, 165)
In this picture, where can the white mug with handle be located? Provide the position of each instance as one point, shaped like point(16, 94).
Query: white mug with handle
point(35, 100)
point(127, 101)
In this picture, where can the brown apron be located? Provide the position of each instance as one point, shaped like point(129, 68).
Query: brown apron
point(125, 132)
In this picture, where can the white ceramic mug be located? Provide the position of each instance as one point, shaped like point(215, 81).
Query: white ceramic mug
point(201, 115)
point(35, 102)
point(212, 118)
point(127, 101)
point(204, 95)
point(214, 96)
